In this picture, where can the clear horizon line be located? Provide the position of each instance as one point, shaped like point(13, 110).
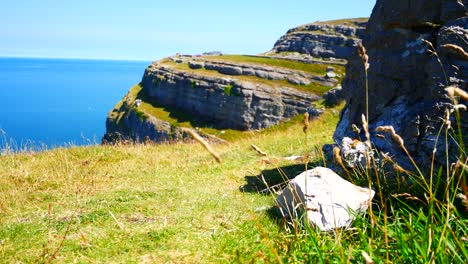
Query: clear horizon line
point(71, 58)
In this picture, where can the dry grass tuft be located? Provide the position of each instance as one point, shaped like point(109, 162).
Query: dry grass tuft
point(205, 144)
point(258, 150)
point(367, 258)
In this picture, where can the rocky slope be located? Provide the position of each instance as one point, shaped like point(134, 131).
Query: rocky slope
point(411, 62)
point(332, 39)
point(218, 92)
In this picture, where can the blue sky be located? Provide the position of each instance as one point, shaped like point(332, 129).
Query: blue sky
point(149, 30)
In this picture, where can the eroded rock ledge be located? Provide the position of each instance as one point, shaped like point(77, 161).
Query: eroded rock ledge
point(332, 39)
point(224, 101)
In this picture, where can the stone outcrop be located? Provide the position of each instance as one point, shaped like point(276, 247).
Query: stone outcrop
point(264, 72)
point(126, 122)
point(223, 101)
point(332, 39)
point(324, 199)
point(410, 65)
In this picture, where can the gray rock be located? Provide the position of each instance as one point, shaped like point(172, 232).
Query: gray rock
point(196, 64)
point(226, 69)
point(275, 76)
point(268, 73)
point(323, 199)
point(140, 129)
point(298, 80)
point(323, 40)
point(334, 96)
point(330, 75)
point(406, 81)
point(355, 153)
point(246, 106)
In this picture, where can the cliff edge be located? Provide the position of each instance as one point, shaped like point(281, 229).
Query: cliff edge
point(223, 95)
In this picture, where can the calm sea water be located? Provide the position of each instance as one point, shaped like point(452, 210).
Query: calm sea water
point(47, 103)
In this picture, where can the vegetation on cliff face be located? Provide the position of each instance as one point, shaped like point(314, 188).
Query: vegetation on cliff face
point(313, 68)
point(177, 118)
point(313, 87)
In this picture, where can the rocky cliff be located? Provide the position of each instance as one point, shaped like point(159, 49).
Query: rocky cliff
point(331, 39)
point(229, 102)
point(416, 49)
point(217, 92)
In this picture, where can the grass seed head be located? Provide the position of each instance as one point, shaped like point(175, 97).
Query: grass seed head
point(337, 156)
point(365, 126)
point(457, 50)
point(356, 129)
point(447, 119)
point(363, 54)
point(305, 122)
point(391, 131)
point(399, 169)
point(453, 91)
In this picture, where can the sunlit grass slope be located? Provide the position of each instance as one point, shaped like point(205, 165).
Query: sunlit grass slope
point(145, 203)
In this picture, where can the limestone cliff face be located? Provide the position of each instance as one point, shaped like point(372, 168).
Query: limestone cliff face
point(333, 39)
point(225, 102)
point(127, 123)
point(235, 91)
point(410, 65)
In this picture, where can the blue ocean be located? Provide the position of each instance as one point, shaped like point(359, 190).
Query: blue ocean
point(48, 103)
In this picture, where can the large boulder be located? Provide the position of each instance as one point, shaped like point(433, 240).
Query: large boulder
point(410, 65)
point(323, 199)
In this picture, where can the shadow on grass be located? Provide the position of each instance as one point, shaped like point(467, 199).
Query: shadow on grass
point(273, 180)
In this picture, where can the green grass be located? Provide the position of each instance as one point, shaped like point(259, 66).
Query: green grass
point(174, 203)
point(348, 21)
point(155, 203)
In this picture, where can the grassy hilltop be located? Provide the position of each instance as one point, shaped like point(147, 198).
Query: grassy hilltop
point(174, 204)
point(155, 203)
